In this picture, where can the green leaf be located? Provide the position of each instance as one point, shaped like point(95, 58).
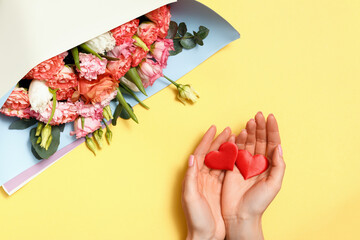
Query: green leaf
point(20, 124)
point(118, 110)
point(178, 48)
point(198, 40)
point(124, 114)
point(173, 28)
point(182, 29)
point(41, 152)
point(203, 32)
point(61, 127)
point(187, 42)
point(35, 153)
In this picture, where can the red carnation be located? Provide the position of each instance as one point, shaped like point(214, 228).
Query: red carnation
point(47, 69)
point(137, 56)
point(123, 33)
point(161, 17)
point(148, 32)
point(118, 68)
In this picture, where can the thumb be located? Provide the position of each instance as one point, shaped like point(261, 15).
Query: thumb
point(277, 168)
point(190, 187)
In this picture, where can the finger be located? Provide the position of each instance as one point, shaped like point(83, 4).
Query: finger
point(190, 185)
point(241, 139)
point(260, 147)
point(203, 147)
point(251, 136)
point(273, 135)
point(223, 137)
point(232, 138)
point(277, 169)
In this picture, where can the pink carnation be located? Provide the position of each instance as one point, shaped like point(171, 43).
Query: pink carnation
point(90, 126)
point(138, 55)
point(89, 110)
point(65, 112)
point(124, 32)
point(124, 49)
point(91, 66)
point(160, 50)
point(47, 69)
point(65, 79)
point(161, 17)
point(18, 99)
point(149, 71)
point(148, 32)
point(21, 113)
point(117, 69)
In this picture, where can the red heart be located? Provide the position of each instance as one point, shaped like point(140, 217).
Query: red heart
point(224, 158)
point(250, 165)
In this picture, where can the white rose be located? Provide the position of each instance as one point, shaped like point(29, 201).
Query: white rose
point(103, 43)
point(39, 95)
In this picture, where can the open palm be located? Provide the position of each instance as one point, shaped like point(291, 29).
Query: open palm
point(242, 199)
point(202, 191)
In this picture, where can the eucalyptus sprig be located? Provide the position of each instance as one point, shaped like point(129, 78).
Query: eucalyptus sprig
point(184, 39)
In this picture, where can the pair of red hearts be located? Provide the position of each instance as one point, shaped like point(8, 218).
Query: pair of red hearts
point(228, 155)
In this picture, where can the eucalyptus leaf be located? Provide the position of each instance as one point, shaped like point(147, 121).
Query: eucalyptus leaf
point(173, 28)
point(20, 124)
point(188, 41)
point(182, 29)
point(198, 40)
point(178, 48)
point(62, 127)
point(35, 153)
point(42, 153)
point(203, 32)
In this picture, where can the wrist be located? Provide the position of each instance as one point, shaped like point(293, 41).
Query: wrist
point(244, 227)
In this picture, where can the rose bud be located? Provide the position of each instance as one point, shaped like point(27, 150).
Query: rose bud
point(39, 95)
point(91, 145)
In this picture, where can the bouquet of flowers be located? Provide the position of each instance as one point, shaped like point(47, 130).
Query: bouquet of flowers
point(78, 85)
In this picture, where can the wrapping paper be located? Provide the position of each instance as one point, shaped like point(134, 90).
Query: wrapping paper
point(15, 145)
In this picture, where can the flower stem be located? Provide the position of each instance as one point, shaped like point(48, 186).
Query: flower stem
point(177, 85)
point(53, 92)
point(107, 127)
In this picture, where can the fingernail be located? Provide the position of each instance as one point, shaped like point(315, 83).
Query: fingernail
point(280, 150)
point(191, 160)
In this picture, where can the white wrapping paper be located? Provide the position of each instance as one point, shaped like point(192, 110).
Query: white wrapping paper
point(35, 30)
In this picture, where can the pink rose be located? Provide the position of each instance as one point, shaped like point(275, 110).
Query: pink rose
point(90, 126)
point(160, 50)
point(18, 99)
point(65, 112)
point(98, 90)
point(124, 49)
point(148, 32)
point(161, 17)
point(149, 71)
point(21, 113)
point(124, 32)
point(138, 55)
point(118, 68)
point(91, 66)
point(65, 79)
point(47, 69)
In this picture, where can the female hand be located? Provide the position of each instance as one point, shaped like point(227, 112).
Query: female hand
point(202, 191)
point(244, 201)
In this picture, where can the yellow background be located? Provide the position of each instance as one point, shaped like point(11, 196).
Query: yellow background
point(296, 59)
